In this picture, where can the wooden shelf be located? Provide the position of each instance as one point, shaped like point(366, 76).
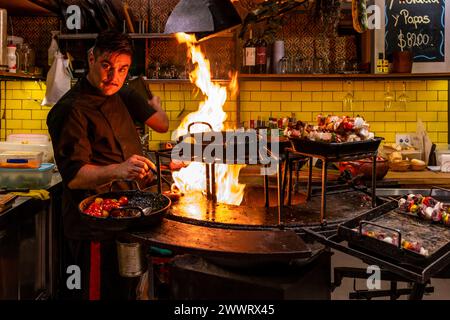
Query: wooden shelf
point(87, 36)
point(19, 76)
point(181, 81)
point(353, 76)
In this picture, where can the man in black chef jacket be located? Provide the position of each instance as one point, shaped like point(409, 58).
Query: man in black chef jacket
point(95, 141)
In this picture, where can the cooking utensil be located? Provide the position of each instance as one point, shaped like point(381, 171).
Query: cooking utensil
point(337, 150)
point(150, 207)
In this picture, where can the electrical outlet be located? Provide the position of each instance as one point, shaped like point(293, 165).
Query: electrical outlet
point(403, 138)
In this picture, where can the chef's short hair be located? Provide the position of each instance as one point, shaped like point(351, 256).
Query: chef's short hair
point(112, 42)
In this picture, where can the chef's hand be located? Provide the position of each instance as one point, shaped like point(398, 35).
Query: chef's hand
point(136, 167)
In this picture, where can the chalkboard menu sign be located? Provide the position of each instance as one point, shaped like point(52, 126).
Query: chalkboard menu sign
point(416, 25)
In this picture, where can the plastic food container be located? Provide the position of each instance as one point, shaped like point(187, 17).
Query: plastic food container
point(26, 138)
point(21, 159)
point(47, 149)
point(27, 178)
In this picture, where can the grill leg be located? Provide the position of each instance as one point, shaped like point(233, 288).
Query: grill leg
point(324, 191)
point(213, 183)
point(280, 195)
point(417, 291)
point(308, 197)
point(374, 181)
point(208, 181)
point(158, 170)
point(289, 164)
point(266, 187)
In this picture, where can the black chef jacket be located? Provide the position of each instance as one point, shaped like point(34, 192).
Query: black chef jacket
point(87, 127)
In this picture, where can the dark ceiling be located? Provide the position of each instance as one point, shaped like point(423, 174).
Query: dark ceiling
point(23, 8)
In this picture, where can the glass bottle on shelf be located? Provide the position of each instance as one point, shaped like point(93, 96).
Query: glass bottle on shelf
point(261, 55)
point(249, 55)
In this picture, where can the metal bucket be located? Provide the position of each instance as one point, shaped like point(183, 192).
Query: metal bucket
point(131, 259)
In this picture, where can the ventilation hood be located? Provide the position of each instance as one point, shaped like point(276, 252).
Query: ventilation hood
point(204, 18)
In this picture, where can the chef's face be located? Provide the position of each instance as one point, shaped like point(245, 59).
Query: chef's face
point(108, 71)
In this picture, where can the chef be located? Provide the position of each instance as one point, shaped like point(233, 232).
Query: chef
point(95, 142)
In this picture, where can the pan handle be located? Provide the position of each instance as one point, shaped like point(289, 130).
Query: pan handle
point(130, 183)
point(362, 222)
point(438, 188)
point(198, 122)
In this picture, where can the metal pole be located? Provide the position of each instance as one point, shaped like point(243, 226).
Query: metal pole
point(308, 197)
point(374, 180)
point(213, 182)
point(324, 191)
point(266, 187)
point(158, 170)
point(208, 182)
point(279, 183)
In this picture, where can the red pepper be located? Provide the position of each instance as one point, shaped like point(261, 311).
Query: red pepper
point(123, 201)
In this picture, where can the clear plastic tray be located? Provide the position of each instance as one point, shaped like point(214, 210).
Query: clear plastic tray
point(27, 178)
point(21, 159)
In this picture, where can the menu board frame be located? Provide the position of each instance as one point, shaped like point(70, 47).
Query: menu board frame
point(418, 67)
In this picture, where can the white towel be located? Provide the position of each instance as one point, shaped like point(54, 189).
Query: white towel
point(445, 163)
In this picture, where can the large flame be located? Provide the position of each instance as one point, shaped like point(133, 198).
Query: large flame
point(192, 178)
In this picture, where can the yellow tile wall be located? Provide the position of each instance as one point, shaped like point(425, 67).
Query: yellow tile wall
point(306, 99)
point(21, 105)
point(428, 102)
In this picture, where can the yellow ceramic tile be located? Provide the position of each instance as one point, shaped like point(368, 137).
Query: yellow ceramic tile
point(301, 96)
point(364, 96)
point(272, 105)
point(427, 95)
point(443, 95)
point(31, 124)
point(23, 94)
point(230, 106)
point(14, 124)
point(263, 115)
point(368, 116)
point(415, 85)
point(416, 106)
point(373, 86)
point(437, 106)
point(395, 126)
point(13, 104)
point(374, 106)
point(385, 116)
point(322, 96)
point(250, 86)
point(171, 105)
point(377, 127)
point(161, 136)
point(339, 95)
point(411, 126)
point(281, 96)
point(31, 104)
point(433, 136)
point(442, 116)
point(37, 94)
point(312, 86)
point(39, 114)
point(270, 86)
point(437, 85)
point(442, 137)
point(406, 116)
point(12, 85)
point(379, 95)
point(171, 87)
point(389, 137)
point(437, 126)
point(260, 96)
point(21, 114)
point(311, 106)
point(427, 116)
point(33, 85)
point(332, 106)
point(356, 86)
point(304, 116)
point(291, 86)
point(250, 106)
point(332, 85)
point(245, 95)
point(176, 95)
